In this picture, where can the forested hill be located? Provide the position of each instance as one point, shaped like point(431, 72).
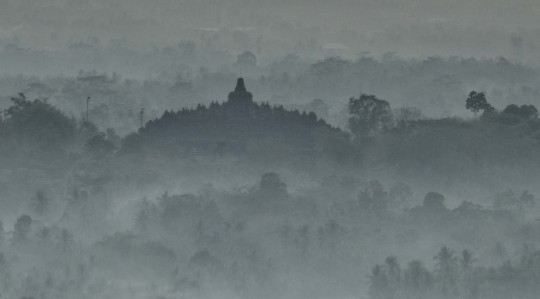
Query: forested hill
point(240, 129)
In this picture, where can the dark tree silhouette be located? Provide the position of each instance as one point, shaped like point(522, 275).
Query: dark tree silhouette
point(271, 185)
point(434, 201)
point(466, 260)
point(525, 111)
point(512, 109)
point(446, 266)
point(417, 279)
point(22, 228)
point(393, 273)
point(368, 115)
point(378, 286)
point(477, 101)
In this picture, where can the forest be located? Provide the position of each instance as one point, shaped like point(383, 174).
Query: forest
point(83, 206)
point(269, 149)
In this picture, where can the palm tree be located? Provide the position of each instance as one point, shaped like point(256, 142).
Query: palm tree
point(378, 286)
point(21, 228)
point(40, 203)
point(392, 264)
point(466, 260)
point(445, 258)
point(394, 273)
point(446, 264)
point(417, 277)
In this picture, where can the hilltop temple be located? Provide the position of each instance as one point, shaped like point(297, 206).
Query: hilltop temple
point(242, 124)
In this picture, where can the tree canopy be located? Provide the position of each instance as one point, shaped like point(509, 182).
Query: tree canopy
point(477, 101)
point(368, 115)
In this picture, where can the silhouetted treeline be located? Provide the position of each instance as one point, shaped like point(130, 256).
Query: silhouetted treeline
point(243, 242)
point(215, 199)
point(436, 85)
point(456, 275)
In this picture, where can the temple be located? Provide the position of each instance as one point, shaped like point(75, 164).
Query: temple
point(240, 101)
point(242, 124)
point(240, 96)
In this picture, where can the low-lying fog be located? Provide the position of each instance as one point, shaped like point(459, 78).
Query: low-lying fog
point(257, 149)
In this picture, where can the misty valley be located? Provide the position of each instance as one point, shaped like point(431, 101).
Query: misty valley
point(262, 149)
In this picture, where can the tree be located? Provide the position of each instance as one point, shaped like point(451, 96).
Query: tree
point(525, 111)
point(368, 115)
point(40, 203)
point(22, 228)
point(99, 147)
point(378, 286)
point(434, 201)
point(373, 198)
point(417, 278)
point(477, 101)
point(246, 59)
point(446, 265)
point(394, 273)
point(40, 126)
point(507, 200)
point(528, 111)
point(404, 116)
point(330, 233)
point(445, 258)
point(392, 264)
point(320, 108)
point(271, 185)
point(466, 260)
point(328, 67)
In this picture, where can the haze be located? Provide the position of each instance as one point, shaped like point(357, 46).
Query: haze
point(269, 149)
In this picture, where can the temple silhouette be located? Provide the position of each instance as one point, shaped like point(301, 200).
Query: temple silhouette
point(240, 123)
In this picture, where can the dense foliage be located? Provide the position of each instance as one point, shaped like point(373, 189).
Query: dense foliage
point(217, 199)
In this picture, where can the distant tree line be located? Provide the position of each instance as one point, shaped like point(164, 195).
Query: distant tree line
point(457, 276)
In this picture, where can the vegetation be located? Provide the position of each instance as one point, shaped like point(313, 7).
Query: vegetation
point(257, 200)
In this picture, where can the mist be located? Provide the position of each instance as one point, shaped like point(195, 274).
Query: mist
point(269, 149)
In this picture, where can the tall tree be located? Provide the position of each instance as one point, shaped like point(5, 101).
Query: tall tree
point(378, 287)
point(466, 260)
point(417, 279)
point(21, 228)
point(446, 267)
point(368, 115)
point(477, 101)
